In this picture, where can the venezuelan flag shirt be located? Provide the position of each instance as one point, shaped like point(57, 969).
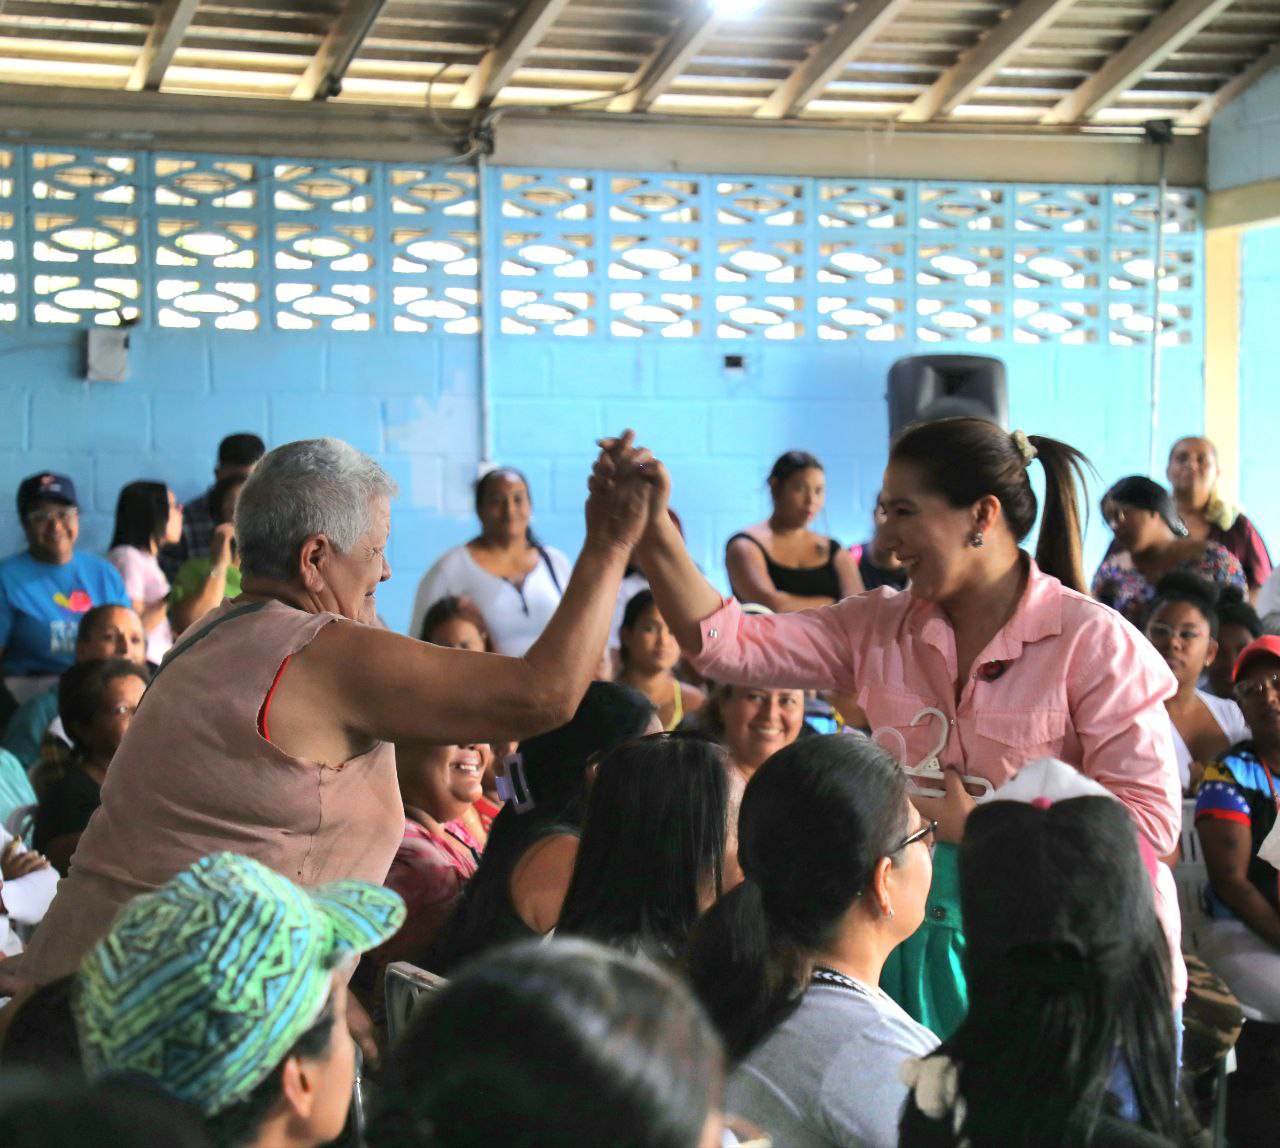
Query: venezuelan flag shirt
point(41, 606)
point(1236, 788)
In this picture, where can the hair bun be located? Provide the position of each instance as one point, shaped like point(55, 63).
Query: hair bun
point(1230, 595)
point(1184, 584)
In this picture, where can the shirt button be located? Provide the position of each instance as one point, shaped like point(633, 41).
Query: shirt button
point(713, 633)
point(939, 913)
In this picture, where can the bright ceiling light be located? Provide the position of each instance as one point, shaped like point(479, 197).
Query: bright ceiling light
point(735, 7)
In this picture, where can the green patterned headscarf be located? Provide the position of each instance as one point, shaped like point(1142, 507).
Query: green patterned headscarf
point(207, 983)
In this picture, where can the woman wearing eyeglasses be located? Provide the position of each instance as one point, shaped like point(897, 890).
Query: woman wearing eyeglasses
point(1236, 813)
point(1183, 626)
point(836, 867)
point(48, 588)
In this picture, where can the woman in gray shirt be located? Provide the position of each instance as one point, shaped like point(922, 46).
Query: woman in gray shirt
point(837, 866)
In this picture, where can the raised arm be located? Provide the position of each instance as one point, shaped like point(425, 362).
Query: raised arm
point(396, 688)
point(681, 591)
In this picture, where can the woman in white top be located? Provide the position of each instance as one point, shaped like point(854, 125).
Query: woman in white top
point(515, 580)
point(837, 864)
point(147, 518)
point(27, 884)
point(1183, 627)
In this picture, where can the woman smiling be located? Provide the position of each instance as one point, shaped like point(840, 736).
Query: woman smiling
point(269, 730)
point(1019, 662)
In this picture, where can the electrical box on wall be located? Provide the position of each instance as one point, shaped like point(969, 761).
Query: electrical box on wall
point(106, 356)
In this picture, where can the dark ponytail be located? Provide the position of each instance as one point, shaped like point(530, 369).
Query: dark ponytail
point(1060, 545)
point(966, 458)
point(815, 820)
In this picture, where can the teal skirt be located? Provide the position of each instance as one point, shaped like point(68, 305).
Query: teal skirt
point(924, 974)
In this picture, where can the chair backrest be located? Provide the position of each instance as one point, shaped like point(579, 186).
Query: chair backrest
point(21, 823)
point(1190, 875)
point(1189, 840)
point(407, 986)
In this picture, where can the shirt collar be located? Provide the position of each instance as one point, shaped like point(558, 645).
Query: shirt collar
point(1038, 616)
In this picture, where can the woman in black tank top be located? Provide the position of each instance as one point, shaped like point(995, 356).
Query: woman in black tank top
point(781, 563)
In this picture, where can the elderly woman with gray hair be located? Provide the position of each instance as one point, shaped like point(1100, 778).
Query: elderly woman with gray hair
point(268, 730)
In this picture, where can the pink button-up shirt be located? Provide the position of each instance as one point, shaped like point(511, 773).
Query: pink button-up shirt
point(1065, 677)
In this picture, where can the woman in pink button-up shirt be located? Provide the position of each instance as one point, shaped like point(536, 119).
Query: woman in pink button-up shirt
point(1022, 665)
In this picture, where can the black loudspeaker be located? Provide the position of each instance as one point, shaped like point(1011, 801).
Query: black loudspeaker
point(924, 387)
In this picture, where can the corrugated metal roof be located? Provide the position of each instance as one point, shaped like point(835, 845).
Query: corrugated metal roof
point(1090, 62)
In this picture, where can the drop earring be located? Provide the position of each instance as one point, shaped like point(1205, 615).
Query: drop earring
point(976, 540)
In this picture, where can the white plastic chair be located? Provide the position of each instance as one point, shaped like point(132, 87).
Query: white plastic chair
point(407, 986)
point(1190, 875)
point(21, 823)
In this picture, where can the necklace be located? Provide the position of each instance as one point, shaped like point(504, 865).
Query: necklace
point(825, 976)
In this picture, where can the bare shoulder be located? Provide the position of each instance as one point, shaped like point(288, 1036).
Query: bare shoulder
point(691, 698)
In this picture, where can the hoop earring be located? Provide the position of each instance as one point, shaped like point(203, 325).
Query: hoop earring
point(976, 540)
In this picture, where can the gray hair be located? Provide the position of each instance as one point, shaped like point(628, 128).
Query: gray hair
point(314, 486)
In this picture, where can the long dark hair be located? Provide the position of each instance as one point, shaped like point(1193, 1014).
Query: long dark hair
point(815, 820)
point(1061, 977)
point(965, 458)
point(1139, 491)
point(142, 513)
point(554, 766)
point(653, 843)
point(578, 1045)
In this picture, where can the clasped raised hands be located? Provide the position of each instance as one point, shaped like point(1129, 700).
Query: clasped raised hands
point(623, 484)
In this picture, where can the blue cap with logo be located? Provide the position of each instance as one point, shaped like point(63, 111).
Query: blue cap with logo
point(45, 486)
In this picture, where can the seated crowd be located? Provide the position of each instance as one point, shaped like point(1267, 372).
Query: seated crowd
point(596, 799)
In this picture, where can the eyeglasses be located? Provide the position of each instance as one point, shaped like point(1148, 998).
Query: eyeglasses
point(1248, 691)
point(919, 835)
point(1166, 632)
point(65, 517)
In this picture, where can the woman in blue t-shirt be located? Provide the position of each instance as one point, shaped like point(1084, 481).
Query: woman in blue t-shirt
point(46, 589)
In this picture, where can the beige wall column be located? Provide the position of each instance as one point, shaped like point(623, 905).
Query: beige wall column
point(1222, 352)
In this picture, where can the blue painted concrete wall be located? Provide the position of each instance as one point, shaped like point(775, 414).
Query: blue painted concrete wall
point(1259, 384)
point(411, 401)
point(631, 289)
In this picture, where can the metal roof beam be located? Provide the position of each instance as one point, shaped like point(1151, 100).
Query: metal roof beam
point(1204, 111)
point(671, 58)
point(501, 62)
point(846, 41)
point(1021, 24)
point(171, 24)
point(323, 77)
point(1155, 43)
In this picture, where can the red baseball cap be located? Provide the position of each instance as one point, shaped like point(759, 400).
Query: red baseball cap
point(1268, 644)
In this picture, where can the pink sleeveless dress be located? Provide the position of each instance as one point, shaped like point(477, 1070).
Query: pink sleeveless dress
point(194, 776)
